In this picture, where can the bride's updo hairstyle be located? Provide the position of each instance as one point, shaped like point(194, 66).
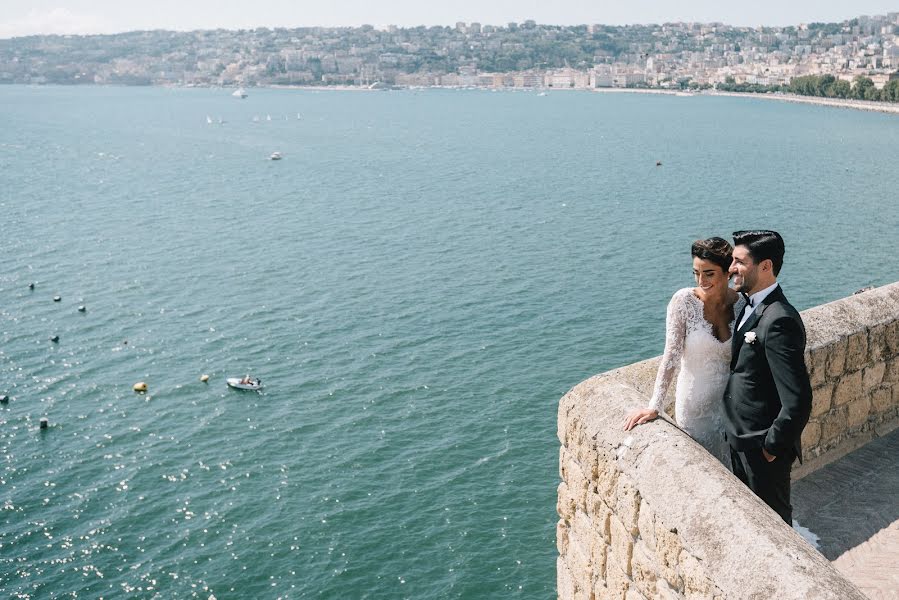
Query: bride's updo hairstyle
point(714, 249)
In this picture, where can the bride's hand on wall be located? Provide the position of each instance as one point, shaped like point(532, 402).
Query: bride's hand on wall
point(639, 417)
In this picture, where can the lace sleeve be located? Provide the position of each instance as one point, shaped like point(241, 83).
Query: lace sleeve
point(675, 333)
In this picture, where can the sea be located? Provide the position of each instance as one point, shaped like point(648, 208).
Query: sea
point(416, 282)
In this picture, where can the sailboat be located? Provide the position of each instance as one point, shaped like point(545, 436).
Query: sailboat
point(240, 93)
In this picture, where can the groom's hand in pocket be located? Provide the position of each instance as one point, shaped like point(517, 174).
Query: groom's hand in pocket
point(768, 457)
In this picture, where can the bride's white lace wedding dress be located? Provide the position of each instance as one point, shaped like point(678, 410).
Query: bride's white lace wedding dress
point(704, 363)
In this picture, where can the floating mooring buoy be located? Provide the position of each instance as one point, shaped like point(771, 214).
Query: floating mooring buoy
point(45, 422)
point(82, 308)
point(204, 377)
point(140, 386)
point(57, 298)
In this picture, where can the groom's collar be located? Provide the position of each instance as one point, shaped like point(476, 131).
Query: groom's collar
point(757, 298)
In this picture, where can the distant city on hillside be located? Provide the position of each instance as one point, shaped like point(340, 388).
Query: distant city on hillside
point(516, 55)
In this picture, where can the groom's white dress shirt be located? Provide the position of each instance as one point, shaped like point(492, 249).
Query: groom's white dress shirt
point(755, 300)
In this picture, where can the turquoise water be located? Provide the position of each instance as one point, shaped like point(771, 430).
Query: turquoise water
point(417, 283)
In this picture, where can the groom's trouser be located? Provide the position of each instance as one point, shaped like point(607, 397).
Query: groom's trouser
point(769, 480)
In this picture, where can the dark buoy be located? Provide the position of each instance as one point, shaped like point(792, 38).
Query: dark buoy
point(44, 422)
point(30, 286)
point(55, 339)
point(57, 298)
point(4, 399)
point(82, 308)
point(658, 163)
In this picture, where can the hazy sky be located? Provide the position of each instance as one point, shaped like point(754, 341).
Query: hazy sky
point(27, 17)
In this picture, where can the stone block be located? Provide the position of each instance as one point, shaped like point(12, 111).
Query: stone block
point(665, 592)
point(622, 546)
point(857, 351)
point(565, 504)
point(697, 583)
point(836, 359)
point(645, 525)
point(627, 504)
point(577, 482)
point(607, 477)
point(565, 588)
point(882, 400)
point(872, 376)
point(822, 399)
point(877, 348)
point(617, 582)
point(816, 362)
point(562, 530)
point(600, 514)
point(891, 338)
point(891, 372)
point(834, 425)
point(599, 553)
point(644, 570)
point(578, 561)
point(668, 549)
point(811, 435)
point(848, 389)
point(859, 410)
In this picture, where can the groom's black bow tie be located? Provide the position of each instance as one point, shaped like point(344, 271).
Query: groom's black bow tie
point(748, 299)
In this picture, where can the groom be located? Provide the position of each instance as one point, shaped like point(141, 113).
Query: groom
point(768, 397)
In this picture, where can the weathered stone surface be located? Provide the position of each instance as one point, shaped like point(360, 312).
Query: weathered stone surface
point(665, 592)
point(578, 561)
point(891, 338)
point(836, 359)
point(696, 580)
point(564, 581)
point(565, 504)
point(877, 347)
point(634, 595)
point(859, 411)
point(617, 582)
point(891, 372)
point(816, 363)
point(872, 376)
point(600, 514)
point(606, 477)
point(811, 435)
point(622, 546)
point(848, 388)
point(562, 531)
point(822, 399)
point(646, 526)
point(834, 425)
point(857, 351)
point(882, 399)
point(668, 549)
point(627, 505)
point(643, 569)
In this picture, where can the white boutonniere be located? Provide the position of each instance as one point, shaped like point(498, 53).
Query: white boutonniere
point(749, 337)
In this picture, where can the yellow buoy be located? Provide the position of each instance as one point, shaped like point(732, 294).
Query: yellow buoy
point(140, 386)
point(204, 378)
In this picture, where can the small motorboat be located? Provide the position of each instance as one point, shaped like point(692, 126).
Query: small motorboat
point(275, 156)
point(244, 383)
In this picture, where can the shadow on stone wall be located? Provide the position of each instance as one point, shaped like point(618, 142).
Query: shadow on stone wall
point(650, 514)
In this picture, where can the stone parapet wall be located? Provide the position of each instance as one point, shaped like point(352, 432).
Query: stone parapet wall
point(650, 514)
point(852, 356)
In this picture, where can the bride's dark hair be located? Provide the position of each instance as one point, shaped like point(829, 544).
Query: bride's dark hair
point(714, 249)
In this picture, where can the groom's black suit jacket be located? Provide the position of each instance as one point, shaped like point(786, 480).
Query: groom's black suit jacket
point(768, 397)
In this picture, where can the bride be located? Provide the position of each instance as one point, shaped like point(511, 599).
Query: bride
point(698, 329)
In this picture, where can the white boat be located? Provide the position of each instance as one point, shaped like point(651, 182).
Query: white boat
point(275, 156)
point(238, 383)
point(240, 93)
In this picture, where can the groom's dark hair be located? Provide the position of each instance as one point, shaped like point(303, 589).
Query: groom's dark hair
point(763, 245)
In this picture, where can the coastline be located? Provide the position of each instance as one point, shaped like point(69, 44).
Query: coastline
point(866, 105)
